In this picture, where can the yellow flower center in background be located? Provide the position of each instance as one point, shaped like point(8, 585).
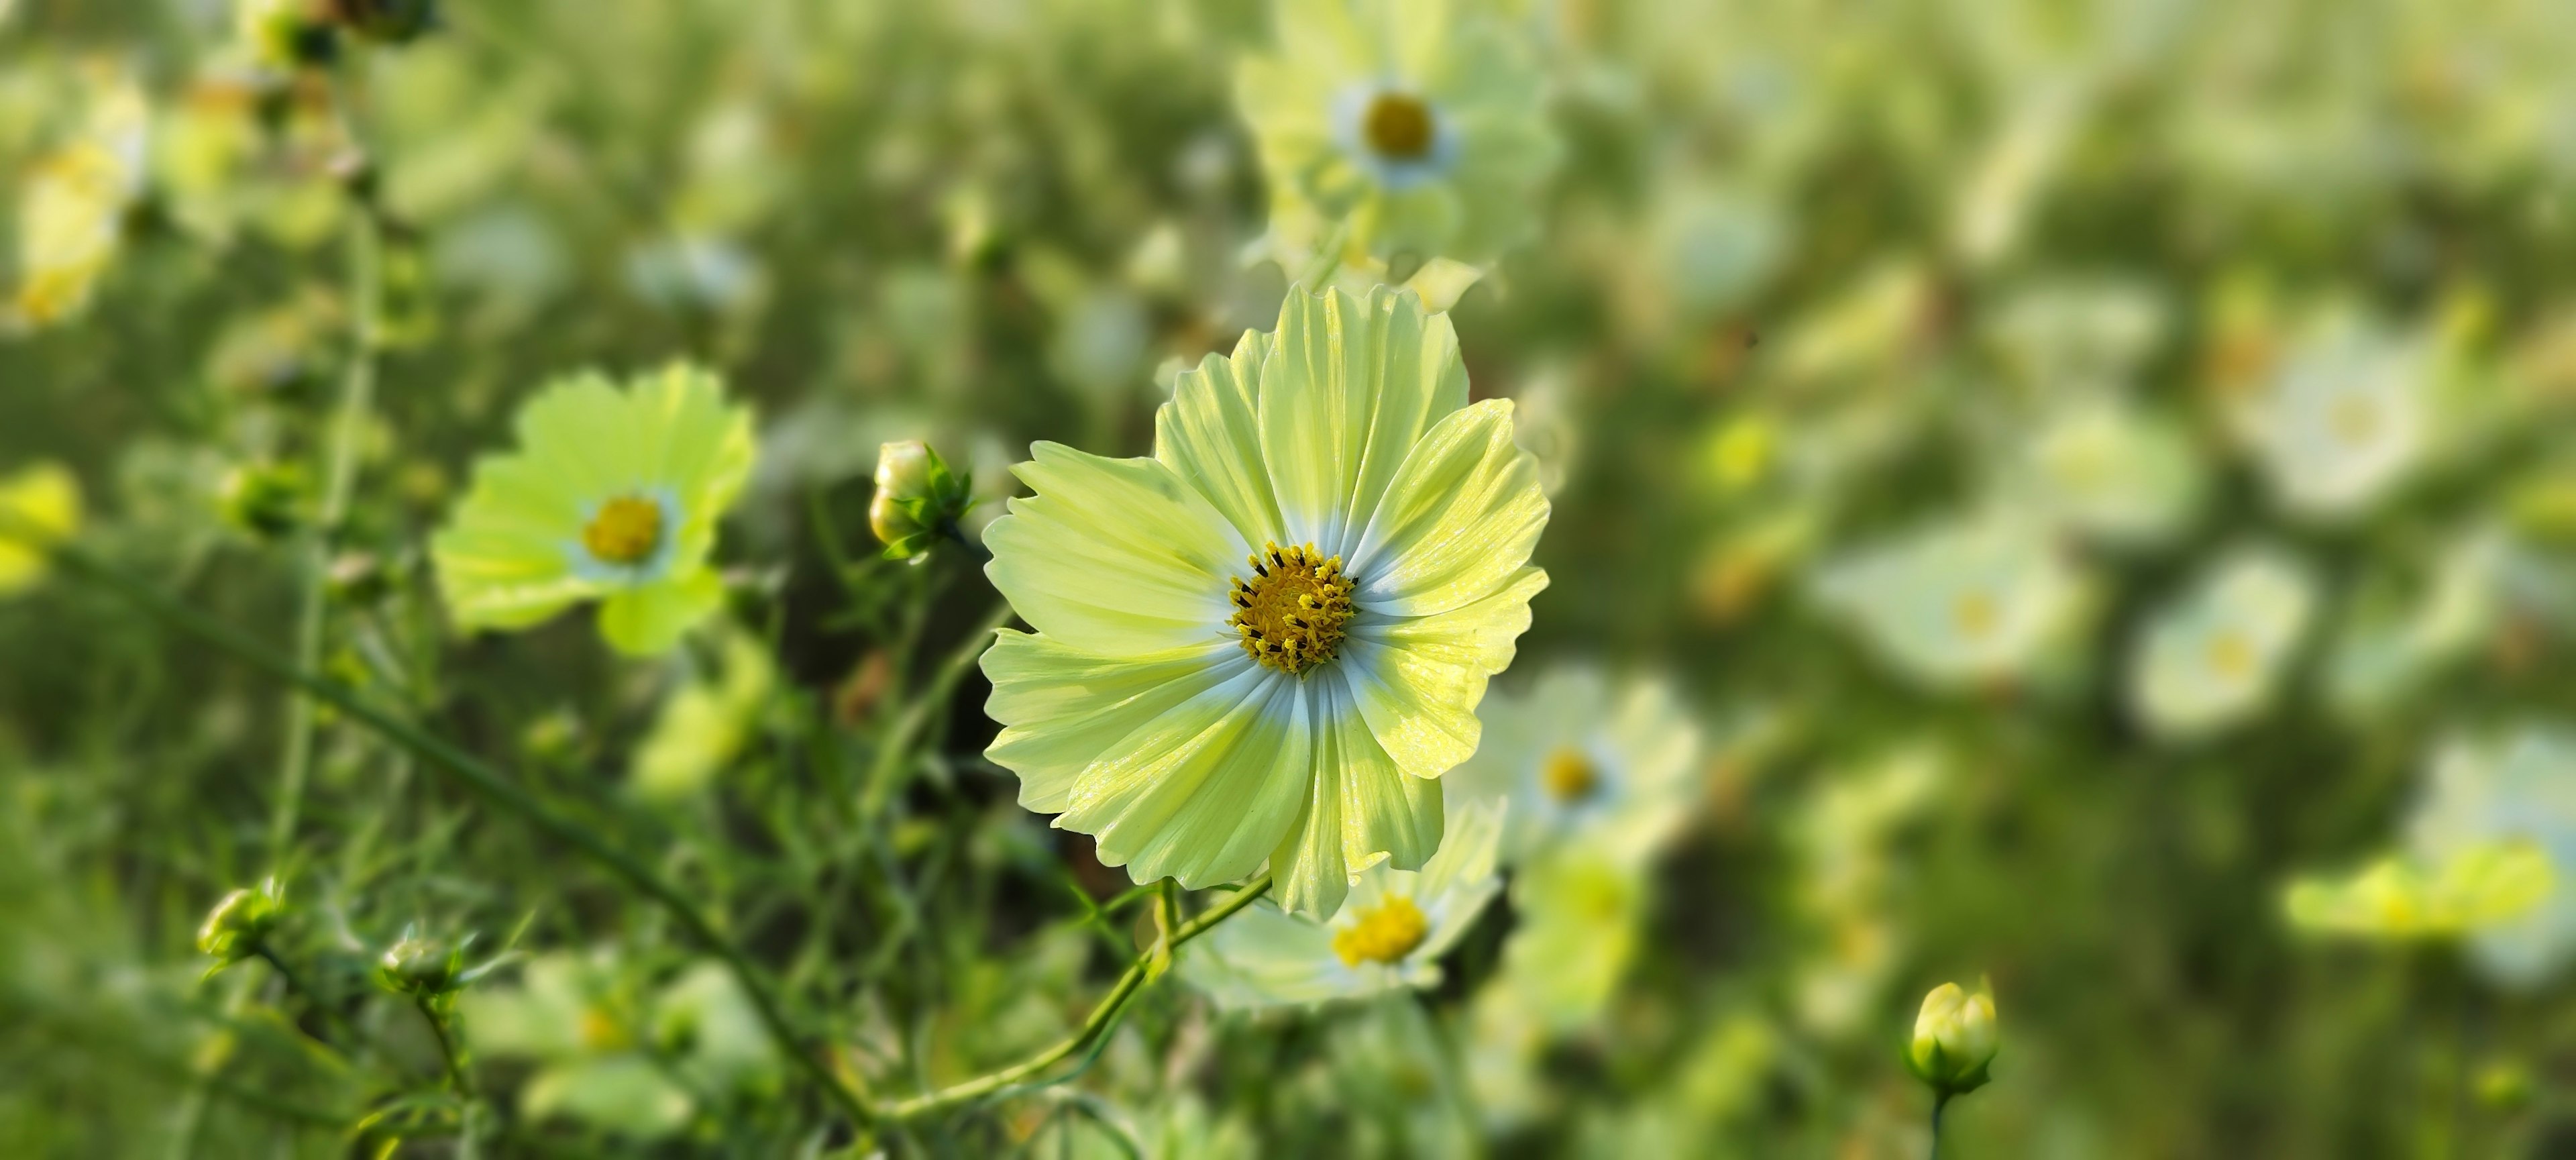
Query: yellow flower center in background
point(1398, 126)
point(1384, 933)
point(625, 531)
point(2231, 656)
point(1568, 776)
point(2356, 420)
point(1290, 614)
point(601, 1031)
point(1975, 614)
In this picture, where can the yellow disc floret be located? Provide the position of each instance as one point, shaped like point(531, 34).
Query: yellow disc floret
point(1398, 127)
point(1384, 933)
point(1291, 613)
point(625, 531)
point(1568, 775)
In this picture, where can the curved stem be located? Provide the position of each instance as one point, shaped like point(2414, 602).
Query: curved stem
point(1103, 1019)
point(448, 1049)
point(493, 787)
point(1939, 1102)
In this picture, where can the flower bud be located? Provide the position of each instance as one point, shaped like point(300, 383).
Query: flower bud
point(237, 926)
point(918, 499)
point(421, 967)
point(1955, 1037)
point(265, 500)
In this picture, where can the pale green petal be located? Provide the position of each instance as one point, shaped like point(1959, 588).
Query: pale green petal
point(649, 619)
point(502, 561)
point(583, 431)
point(1210, 434)
point(1262, 957)
point(1385, 812)
point(1118, 557)
point(696, 446)
point(1417, 681)
point(1200, 793)
point(1311, 867)
point(1353, 383)
point(625, 1093)
point(1460, 880)
point(39, 506)
point(1458, 521)
point(1062, 709)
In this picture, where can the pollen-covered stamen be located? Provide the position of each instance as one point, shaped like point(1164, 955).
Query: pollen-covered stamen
point(1384, 933)
point(1398, 127)
point(625, 531)
point(1290, 615)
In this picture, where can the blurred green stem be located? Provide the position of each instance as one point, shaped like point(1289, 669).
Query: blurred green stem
point(1104, 1018)
point(1939, 1103)
point(441, 1025)
point(493, 787)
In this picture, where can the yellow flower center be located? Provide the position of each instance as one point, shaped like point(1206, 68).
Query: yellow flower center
point(1568, 776)
point(1975, 614)
point(1384, 933)
point(625, 531)
point(1290, 614)
point(2231, 656)
point(2356, 420)
point(1398, 126)
point(601, 1031)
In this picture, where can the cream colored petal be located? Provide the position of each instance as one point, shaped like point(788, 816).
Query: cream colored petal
point(1311, 866)
point(1061, 709)
point(1352, 384)
point(1458, 521)
point(649, 619)
point(1417, 681)
point(1117, 557)
point(1262, 957)
point(1202, 792)
point(1210, 434)
point(1386, 812)
point(699, 447)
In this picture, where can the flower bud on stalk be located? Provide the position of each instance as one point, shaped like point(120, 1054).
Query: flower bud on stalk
point(240, 924)
point(423, 968)
point(1955, 1037)
point(918, 500)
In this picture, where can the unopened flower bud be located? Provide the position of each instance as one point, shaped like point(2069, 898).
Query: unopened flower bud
point(421, 967)
point(237, 926)
point(918, 499)
point(266, 500)
point(1955, 1037)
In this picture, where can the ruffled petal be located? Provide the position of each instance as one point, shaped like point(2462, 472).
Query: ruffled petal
point(649, 618)
point(1117, 557)
point(1203, 791)
point(1353, 383)
point(1062, 709)
point(1458, 521)
point(696, 446)
point(1210, 434)
point(1417, 680)
point(587, 435)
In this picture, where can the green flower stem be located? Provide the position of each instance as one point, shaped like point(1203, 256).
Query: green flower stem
point(917, 714)
point(495, 788)
point(441, 1025)
point(1939, 1102)
point(1104, 1018)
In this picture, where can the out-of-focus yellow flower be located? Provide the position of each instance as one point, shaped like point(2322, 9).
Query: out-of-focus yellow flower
point(2344, 421)
point(2400, 898)
point(613, 495)
point(595, 1032)
point(40, 506)
point(1959, 603)
point(1416, 123)
point(1585, 762)
point(1955, 1038)
point(2213, 658)
point(73, 218)
point(2518, 785)
point(706, 721)
point(1269, 640)
point(1389, 934)
point(2106, 468)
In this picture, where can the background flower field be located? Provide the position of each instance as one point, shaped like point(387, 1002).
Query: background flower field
point(2030, 482)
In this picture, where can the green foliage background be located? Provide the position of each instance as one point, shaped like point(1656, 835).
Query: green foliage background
point(986, 223)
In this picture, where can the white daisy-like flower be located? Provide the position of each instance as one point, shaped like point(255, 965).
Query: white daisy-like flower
point(2104, 467)
point(2213, 657)
point(1968, 601)
point(72, 221)
point(1389, 934)
point(2515, 785)
point(1582, 761)
point(2344, 420)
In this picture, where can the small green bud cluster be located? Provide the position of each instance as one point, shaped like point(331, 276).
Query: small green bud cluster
point(239, 925)
point(1955, 1038)
point(422, 967)
point(918, 500)
point(265, 500)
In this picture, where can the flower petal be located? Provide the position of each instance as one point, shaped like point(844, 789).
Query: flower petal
point(649, 618)
point(1351, 386)
point(588, 435)
point(1457, 522)
point(1418, 680)
point(1263, 957)
point(1210, 434)
point(696, 446)
point(1117, 557)
point(1202, 792)
point(1061, 708)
